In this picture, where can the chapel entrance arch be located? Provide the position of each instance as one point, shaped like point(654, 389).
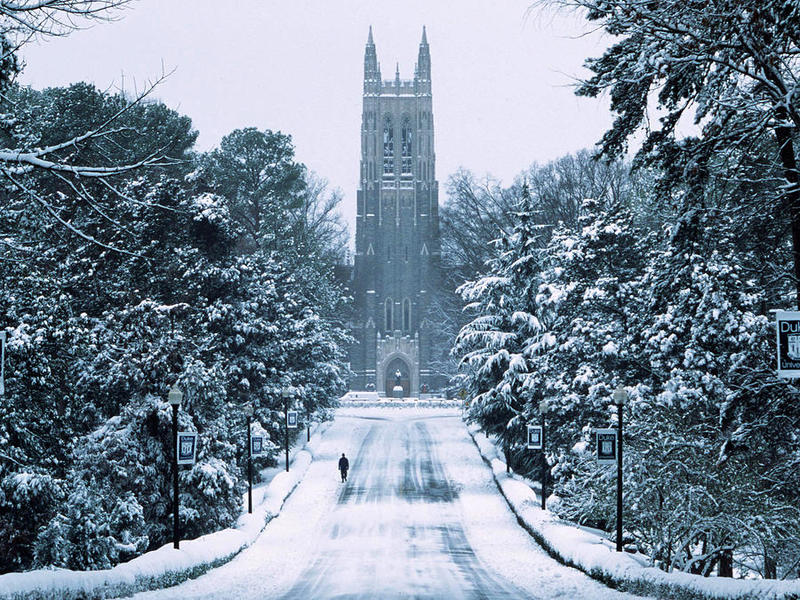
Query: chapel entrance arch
point(390, 376)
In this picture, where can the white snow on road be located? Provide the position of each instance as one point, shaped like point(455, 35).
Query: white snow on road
point(420, 517)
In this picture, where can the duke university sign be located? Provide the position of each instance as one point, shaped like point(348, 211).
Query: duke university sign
point(788, 330)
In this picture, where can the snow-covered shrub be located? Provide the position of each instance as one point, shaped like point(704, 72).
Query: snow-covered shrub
point(120, 499)
point(81, 537)
point(211, 494)
point(26, 502)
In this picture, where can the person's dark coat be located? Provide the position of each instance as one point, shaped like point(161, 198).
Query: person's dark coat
point(344, 464)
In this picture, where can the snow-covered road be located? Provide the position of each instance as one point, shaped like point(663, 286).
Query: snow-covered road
point(420, 517)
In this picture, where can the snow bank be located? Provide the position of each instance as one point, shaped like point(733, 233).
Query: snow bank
point(372, 399)
point(398, 403)
point(373, 396)
point(595, 555)
point(166, 566)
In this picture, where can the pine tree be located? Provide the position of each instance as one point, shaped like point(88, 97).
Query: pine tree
point(495, 347)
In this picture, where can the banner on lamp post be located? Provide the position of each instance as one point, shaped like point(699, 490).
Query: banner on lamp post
point(535, 437)
point(187, 447)
point(257, 445)
point(787, 325)
point(606, 446)
point(291, 419)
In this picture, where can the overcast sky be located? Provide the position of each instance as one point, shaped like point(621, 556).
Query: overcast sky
point(502, 75)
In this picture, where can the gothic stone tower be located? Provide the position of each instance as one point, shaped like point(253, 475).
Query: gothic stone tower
point(396, 264)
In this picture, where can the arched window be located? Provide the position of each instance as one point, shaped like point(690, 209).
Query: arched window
point(388, 313)
point(405, 151)
point(407, 314)
point(388, 147)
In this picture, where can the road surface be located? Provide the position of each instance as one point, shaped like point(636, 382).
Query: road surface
point(420, 517)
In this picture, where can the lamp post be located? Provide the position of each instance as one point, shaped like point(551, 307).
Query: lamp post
point(248, 412)
point(620, 397)
point(285, 393)
point(543, 411)
point(174, 398)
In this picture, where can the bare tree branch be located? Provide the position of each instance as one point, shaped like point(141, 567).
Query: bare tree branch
point(52, 212)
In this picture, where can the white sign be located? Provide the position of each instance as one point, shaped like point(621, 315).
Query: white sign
point(606, 446)
point(257, 445)
point(2, 362)
point(787, 325)
point(291, 419)
point(535, 438)
point(187, 447)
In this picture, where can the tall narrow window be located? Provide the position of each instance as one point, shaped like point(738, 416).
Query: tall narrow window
point(407, 314)
point(407, 141)
point(388, 147)
point(388, 310)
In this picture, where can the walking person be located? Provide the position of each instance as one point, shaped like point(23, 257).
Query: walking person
point(344, 465)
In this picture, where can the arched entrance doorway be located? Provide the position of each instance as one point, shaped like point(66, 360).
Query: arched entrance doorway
point(391, 378)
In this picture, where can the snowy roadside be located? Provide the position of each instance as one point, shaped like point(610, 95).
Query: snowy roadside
point(166, 566)
point(399, 403)
point(595, 556)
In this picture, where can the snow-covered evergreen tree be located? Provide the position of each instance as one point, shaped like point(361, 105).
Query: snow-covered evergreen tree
point(708, 418)
point(99, 336)
point(505, 332)
point(588, 297)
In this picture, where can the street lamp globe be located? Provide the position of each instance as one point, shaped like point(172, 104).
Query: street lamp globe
point(248, 410)
point(285, 393)
point(543, 407)
point(175, 396)
point(620, 396)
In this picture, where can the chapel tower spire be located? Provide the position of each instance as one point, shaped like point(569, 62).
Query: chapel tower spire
point(372, 71)
point(422, 78)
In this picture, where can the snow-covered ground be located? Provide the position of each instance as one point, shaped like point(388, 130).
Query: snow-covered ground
point(419, 517)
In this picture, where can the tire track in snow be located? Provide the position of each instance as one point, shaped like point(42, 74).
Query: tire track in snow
point(398, 531)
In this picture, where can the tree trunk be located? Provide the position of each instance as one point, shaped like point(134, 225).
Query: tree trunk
point(789, 163)
point(669, 551)
point(770, 567)
point(698, 566)
point(726, 563)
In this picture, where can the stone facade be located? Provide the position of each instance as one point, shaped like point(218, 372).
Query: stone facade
point(396, 262)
